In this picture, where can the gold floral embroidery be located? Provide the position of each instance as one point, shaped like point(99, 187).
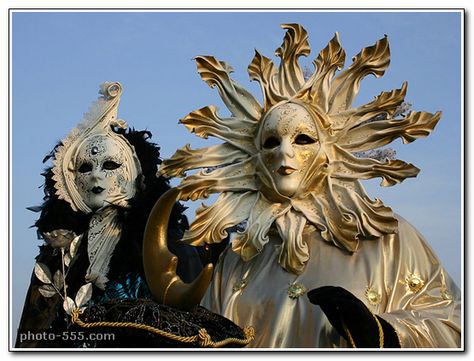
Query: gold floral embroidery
point(296, 290)
point(414, 282)
point(372, 296)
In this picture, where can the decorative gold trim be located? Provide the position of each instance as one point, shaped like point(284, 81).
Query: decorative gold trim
point(349, 335)
point(381, 334)
point(379, 327)
point(203, 338)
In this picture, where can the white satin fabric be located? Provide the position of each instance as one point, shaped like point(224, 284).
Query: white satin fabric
point(423, 316)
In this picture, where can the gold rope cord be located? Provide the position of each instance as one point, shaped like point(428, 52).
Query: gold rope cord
point(381, 335)
point(380, 330)
point(203, 338)
point(346, 330)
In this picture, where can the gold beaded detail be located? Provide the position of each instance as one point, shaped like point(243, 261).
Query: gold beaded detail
point(414, 282)
point(373, 296)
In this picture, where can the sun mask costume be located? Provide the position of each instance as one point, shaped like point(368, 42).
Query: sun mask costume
point(98, 195)
point(287, 169)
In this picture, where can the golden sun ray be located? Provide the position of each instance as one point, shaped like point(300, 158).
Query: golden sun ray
point(229, 209)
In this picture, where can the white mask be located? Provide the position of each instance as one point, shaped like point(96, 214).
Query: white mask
point(102, 173)
point(289, 144)
point(96, 166)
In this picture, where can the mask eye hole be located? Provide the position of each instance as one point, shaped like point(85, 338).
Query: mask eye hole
point(304, 139)
point(85, 167)
point(271, 142)
point(110, 165)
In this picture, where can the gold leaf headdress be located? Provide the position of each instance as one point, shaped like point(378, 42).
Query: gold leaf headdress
point(335, 201)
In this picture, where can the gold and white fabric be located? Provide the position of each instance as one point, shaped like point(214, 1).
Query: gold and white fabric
point(398, 277)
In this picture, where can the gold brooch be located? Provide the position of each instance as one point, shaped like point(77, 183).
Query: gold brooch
point(414, 282)
point(296, 290)
point(372, 296)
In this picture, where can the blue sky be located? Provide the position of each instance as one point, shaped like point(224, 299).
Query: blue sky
point(60, 58)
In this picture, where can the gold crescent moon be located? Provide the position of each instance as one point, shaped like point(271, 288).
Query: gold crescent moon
point(160, 264)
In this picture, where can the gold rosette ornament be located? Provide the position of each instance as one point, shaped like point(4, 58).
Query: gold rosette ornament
point(286, 163)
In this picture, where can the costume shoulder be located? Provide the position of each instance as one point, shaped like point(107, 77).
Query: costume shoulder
point(424, 303)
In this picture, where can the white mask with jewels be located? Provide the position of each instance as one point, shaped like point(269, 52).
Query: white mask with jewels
point(96, 166)
point(102, 172)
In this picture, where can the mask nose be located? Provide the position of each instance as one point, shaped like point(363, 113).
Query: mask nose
point(286, 149)
point(96, 174)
